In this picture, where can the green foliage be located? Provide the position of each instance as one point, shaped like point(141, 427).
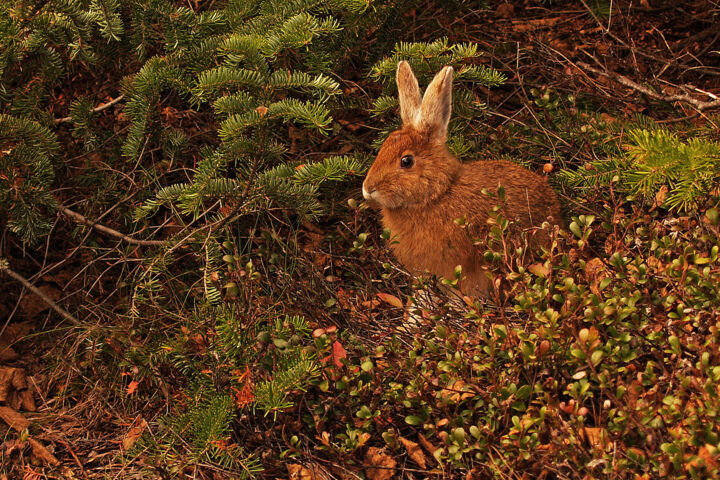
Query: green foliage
point(605, 364)
point(426, 59)
point(268, 363)
point(26, 153)
point(200, 434)
point(599, 359)
point(658, 165)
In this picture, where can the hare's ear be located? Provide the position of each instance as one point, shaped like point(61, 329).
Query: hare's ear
point(437, 105)
point(409, 93)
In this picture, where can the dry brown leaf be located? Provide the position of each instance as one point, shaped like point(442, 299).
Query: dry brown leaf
point(594, 269)
point(7, 353)
point(39, 451)
point(10, 335)
point(660, 197)
point(414, 452)
point(134, 433)
point(312, 472)
point(539, 269)
point(31, 305)
point(707, 457)
point(594, 274)
point(63, 277)
point(27, 401)
point(11, 380)
point(595, 437)
point(391, 299)
point(456, 392)
point(505, 10)
point(379, 466)
point(429, 447)
point(16, 420)
point(6, 375)
point(13, 400)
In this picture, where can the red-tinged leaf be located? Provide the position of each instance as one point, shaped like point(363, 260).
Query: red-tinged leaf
point(391, 299)
point(134, 433)
point(132, 387)
point(337, 355)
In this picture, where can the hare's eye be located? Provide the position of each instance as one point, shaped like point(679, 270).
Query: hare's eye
point(407, 161)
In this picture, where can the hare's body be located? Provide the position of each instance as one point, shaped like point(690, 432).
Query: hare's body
point(423, 189)
point(428, 238)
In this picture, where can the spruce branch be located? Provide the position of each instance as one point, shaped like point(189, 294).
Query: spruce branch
point(97, 109)
point(5, 267)
point(106, 230)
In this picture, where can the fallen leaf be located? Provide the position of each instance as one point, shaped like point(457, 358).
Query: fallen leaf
point(12, 333)
point(338, 354)
point(539, 269)
point(660, 197)
point(16, 420)
point(709, 458)
point(31, 305)
point(134, 433)
point(12, 382)
point(39, 451)
point(456, 392)
point(391, 299)
point(595, 437)
point(27, 401)
point(594, 274)
point(379, 466)
point(132, 387)
point(311, 472)
point(7, 353)
point(414, 452)
point(429, 447)
point(505, 10)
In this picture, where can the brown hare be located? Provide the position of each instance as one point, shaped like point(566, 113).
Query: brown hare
point(421, 189)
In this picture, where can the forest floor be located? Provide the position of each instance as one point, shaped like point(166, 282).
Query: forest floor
point(566, 62)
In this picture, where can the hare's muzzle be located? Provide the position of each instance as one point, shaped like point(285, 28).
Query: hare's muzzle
point(368, 194)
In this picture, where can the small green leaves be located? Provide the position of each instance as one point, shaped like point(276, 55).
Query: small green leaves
point(575, 229)
point(712, 215)
point(413, 420)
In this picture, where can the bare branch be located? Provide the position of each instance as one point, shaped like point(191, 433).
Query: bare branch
point(99, 108)
point(5, 267)
point(623, 80)
point(108, 231)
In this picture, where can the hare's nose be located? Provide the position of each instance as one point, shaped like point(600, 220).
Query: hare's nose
point(367, 194)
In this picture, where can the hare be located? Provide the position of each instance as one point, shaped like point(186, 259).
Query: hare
point(421, 189)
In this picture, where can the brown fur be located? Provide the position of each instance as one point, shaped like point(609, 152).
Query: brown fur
point(420, 204)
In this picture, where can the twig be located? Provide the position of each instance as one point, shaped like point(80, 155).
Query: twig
point(698, 104)
point(108, 231)
point(4, 267)
point(99, 108)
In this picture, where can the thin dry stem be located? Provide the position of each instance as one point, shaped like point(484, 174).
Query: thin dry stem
point(99, 108)
point(108, 231)
point(623, 80)
point(4, 267)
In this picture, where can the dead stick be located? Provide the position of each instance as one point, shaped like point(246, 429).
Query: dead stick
point(106, 230)
point(698, 104)
point(99, 108)
point(4, 267)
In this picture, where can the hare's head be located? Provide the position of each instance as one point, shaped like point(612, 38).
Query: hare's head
point(413, 166)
